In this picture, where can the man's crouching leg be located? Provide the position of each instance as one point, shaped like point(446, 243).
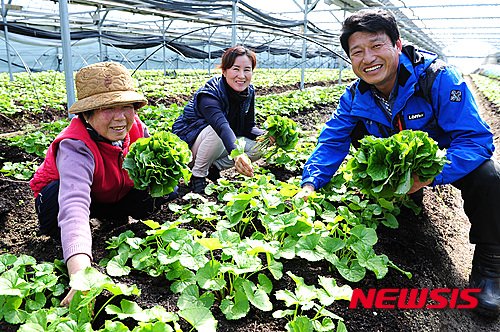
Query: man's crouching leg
point(481, 195)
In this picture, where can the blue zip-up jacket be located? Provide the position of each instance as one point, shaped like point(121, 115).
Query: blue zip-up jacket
point(452, 121)
point(191, 122)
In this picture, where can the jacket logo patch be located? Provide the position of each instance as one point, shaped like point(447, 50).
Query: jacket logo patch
point(456, 95)
point(416, 116)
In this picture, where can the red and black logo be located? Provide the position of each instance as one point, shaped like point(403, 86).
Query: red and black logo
point(414, 298)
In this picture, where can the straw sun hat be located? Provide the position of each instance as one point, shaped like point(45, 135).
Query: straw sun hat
point(105, 84)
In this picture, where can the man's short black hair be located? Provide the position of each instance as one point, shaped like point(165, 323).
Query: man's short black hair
point(370, 20)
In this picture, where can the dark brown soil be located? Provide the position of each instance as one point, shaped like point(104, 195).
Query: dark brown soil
point(433, 246)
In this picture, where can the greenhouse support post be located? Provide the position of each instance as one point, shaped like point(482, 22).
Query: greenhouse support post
point(268, 55)
point(6, 32)
point(304, 41)
point(209, 51)
point(233, 20)
point(304, 48)
point(99, 21)
point(164, 43)
point(164, 48)
point(341, 64)
point(66, 45)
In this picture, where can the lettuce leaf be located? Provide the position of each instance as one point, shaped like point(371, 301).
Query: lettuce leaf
point(382, 167)
point(283, 129)
point(158, 162)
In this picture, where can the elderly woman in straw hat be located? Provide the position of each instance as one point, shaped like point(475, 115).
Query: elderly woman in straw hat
point(82, 174)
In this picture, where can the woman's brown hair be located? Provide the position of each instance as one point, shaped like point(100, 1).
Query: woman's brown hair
point(230, 55)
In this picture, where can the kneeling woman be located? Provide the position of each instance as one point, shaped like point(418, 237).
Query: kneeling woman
point(220, 112)
point(82, 175)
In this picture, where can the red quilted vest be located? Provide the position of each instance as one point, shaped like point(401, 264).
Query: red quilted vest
point(111, 182)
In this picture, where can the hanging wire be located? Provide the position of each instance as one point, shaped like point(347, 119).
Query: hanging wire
point(245, 25)
point(28, 70)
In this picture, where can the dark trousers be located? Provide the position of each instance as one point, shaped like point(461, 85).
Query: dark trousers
point(137, 203)
point(480, 192)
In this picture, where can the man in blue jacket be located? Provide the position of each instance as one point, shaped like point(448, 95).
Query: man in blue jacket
point(399, 88)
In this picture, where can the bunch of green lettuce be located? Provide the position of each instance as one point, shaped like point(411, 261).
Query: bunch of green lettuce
point(284, 130)
point(158, 162)
point(382, 167)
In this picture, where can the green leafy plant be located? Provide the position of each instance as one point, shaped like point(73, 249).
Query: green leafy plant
point(89, 283)
point(21, 171)
point(335, 225)
point(283, 129)
point(158, 162)
point(303, 300)
point(294, 102)
point(198, 211)
point(195, 308)
point(26, 287)
point(82, 312)
point(29, 294)
point(489, 86)
point(159, 118)
point(181, 256)
point(37, 142)
point(383, 167)
point(7, 105)
point(237, 272)
point(240, 148)
point(230, 277)
point(294, 159)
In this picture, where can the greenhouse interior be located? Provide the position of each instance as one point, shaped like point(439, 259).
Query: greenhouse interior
point(185, 34)
point(172, 35)
point(242, 249)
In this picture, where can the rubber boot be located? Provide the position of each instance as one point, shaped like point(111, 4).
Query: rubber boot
point(213, 174)
point(197, 184)
point(485, 275)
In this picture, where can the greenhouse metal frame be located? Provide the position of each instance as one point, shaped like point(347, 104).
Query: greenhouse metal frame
point(194, 33)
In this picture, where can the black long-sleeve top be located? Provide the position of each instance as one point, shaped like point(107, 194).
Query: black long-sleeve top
point(228, 128)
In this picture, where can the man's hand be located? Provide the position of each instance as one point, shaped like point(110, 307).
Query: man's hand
point(417, 184)
point(243, 165)
point(75, 263)
point(305, 192)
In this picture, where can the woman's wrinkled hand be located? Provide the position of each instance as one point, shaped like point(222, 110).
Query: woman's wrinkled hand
point(67, 299)
point(243, 165)
point(75, 263)
point(272, 140)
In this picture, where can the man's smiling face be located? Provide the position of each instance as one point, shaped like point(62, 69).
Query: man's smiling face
point(374, 59)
